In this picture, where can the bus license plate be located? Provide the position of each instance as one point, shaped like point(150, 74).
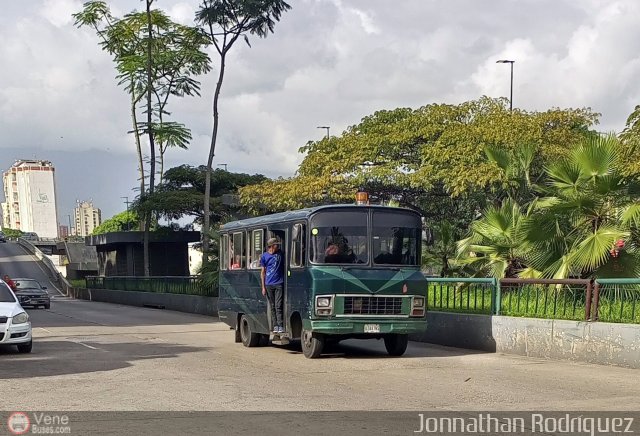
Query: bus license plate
point(372, 328)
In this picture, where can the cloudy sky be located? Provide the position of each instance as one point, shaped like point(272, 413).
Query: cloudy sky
point(330, 62)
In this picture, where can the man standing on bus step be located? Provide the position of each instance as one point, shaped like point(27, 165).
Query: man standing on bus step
point(272, 276)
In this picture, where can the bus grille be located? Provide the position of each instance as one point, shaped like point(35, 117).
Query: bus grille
point(373, 305)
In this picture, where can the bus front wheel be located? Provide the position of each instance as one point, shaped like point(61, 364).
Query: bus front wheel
point(396, 344)
point(312, 344)
point(249, 338)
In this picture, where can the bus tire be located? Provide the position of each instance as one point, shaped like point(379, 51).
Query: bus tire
point(396, 344)
point(264, 340)
point(238, 337)
point(249, 338)
point(312, 344)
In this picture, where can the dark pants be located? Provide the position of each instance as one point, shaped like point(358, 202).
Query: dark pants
point(275, 295)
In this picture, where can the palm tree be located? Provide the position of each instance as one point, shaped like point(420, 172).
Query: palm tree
point(584, 220)
point(586, 223)
point(497, 245)
point(442, 251)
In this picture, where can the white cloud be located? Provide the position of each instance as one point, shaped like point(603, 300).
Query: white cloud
point(182, 13)
point(59, 12)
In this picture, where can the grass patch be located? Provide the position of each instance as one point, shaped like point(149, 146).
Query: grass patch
point(78, 283)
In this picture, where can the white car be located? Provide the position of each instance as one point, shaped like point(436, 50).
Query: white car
point(15, 326)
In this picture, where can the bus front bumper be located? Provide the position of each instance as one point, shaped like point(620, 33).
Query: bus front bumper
point(363, 326)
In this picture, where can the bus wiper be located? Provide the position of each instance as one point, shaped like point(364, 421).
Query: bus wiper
point(347, 268)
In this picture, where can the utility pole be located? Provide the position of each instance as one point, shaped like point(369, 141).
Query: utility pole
point(223, 165)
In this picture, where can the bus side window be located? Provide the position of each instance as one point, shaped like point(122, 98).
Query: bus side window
point(256, 249)
point(236, 258)
point(297, 245)
point(224, 251)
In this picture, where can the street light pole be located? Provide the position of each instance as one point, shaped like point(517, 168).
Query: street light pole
point(325, 127)
point(506, 61)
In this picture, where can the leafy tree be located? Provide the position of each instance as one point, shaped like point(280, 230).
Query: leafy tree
point(181, 194)
point(124, 221)
point(630, 138)
point(224, 21)
point(155, 59)
point(11, 233)
point(432, 154)
point(440, 250)
point(176, 58)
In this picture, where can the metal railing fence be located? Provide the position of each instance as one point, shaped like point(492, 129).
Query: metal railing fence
point(469, 295)
point(617, 300)
point(190, 285)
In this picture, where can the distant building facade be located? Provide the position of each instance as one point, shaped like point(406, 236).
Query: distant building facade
point(63, 231)
point(5, 215)
point(30, 198)
point(87, 218)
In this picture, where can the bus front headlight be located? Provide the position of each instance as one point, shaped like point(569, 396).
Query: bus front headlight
point(324, 305)
point(323, 302)
point(417, 306)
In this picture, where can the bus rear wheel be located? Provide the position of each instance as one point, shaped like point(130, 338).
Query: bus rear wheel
point(312, 344)
point(249, 338)
point(396, 344)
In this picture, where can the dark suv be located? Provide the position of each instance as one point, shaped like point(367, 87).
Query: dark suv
point(30, 293)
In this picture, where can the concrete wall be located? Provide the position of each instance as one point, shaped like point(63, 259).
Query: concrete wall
point(178, 302)
point(580, 341)
point(458, 330)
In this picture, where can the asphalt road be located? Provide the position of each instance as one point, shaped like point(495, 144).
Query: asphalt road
point(102, 357)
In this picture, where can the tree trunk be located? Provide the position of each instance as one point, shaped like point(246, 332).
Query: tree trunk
point(161, 172)
point(134, 119)
point(152, 146)
point(445, 267)
point(206, 225)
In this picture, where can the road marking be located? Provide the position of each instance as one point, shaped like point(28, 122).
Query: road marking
point(84, 345)
point(42, 328)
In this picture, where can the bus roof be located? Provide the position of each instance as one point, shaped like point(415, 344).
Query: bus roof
point(300, 214)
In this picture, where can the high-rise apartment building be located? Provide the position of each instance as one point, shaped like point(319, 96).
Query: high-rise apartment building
point(30, 198)
point(87, 218)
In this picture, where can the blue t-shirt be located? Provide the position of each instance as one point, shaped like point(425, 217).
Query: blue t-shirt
point(274, 268)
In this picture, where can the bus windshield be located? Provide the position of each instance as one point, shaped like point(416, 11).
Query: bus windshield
point(396, 238)
point(339, 237)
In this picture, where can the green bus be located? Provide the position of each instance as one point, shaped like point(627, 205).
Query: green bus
point(351, 271)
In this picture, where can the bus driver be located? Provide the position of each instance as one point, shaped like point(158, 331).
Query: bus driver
point(272, 277)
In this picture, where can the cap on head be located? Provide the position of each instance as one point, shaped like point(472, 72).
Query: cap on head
point(272, 241)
